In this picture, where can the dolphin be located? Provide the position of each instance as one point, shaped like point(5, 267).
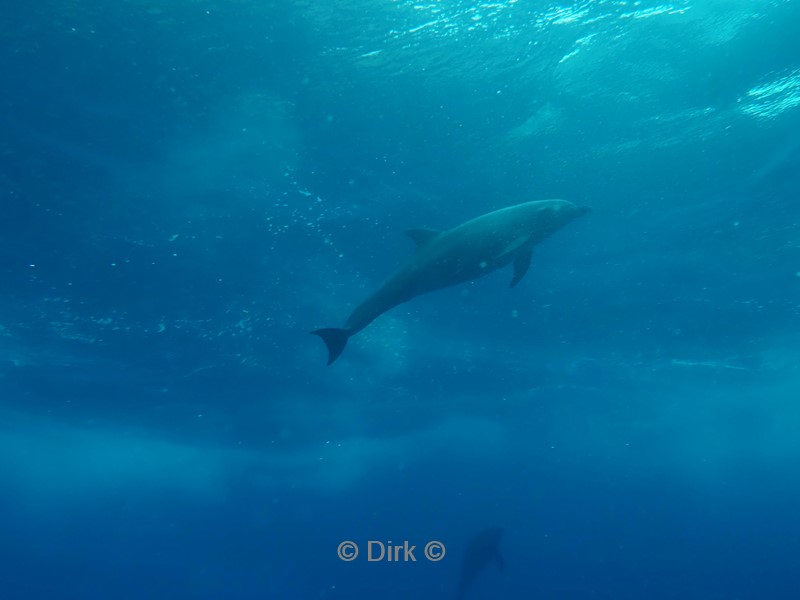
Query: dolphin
point(482, 550)
point(466, 252)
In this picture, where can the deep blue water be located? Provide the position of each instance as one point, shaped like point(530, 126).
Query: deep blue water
point(189, 187)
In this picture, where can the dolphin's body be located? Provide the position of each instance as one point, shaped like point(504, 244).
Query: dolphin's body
point(466, 252)
point(483, 550)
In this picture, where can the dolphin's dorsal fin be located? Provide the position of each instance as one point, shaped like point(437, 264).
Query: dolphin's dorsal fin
point(522, 261)
point(422, 236)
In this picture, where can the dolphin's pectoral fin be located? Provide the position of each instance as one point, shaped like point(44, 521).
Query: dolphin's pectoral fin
point(335, 339)
point(422, 236)
point(522, 261)
point(499, 558)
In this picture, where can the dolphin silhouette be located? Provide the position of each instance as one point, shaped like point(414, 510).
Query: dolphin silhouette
point(466, 252)
point(482, 550)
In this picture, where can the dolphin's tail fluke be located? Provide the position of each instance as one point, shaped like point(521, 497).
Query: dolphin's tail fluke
point(335, 339)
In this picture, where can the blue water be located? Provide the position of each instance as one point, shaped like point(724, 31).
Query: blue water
point(189, 187)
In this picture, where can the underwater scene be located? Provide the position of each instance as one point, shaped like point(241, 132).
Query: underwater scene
point(430, 299)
